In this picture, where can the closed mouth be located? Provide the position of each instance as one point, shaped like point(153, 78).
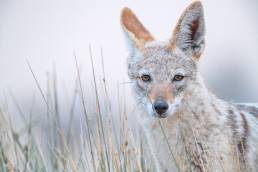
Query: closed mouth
point(164, 115)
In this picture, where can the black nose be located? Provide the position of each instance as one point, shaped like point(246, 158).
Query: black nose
point(160, 106)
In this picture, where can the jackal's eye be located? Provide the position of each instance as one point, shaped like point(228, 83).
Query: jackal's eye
point(178, 78)
point(146, 78)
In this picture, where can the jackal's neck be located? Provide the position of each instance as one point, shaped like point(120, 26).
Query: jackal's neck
point(200, 102)
point(197, 98)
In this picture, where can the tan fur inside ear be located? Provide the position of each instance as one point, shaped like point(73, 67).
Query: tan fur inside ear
point(135, 28)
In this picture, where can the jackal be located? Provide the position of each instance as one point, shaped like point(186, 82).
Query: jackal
point(186, 126)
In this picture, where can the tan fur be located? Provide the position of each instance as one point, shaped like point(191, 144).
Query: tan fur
point(131, 23)
point(161, 90)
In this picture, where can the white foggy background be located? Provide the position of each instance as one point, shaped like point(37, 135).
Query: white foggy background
point(47, 32)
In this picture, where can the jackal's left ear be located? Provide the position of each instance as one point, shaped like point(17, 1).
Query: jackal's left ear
point(190, 31)
point(137, 35)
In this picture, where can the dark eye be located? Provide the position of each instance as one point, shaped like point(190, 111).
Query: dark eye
point(146, 78)
point(178, 78)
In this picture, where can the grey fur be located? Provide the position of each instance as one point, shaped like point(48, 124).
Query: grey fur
point(203, 132)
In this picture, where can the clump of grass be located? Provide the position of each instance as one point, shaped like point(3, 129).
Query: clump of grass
point(96, 139)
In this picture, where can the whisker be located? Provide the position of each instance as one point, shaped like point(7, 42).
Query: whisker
point(122, 83)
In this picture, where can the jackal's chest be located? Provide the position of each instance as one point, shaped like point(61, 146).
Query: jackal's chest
point(178, 148)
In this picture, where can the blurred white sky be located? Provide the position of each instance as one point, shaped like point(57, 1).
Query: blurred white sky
point(48, 31)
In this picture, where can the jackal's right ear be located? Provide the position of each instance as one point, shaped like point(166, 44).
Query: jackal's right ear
point(136, 34)
point(190, 31)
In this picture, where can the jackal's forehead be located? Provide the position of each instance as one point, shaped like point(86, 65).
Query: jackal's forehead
point(164, 63)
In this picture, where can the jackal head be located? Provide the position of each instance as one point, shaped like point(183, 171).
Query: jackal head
point(164, 72)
